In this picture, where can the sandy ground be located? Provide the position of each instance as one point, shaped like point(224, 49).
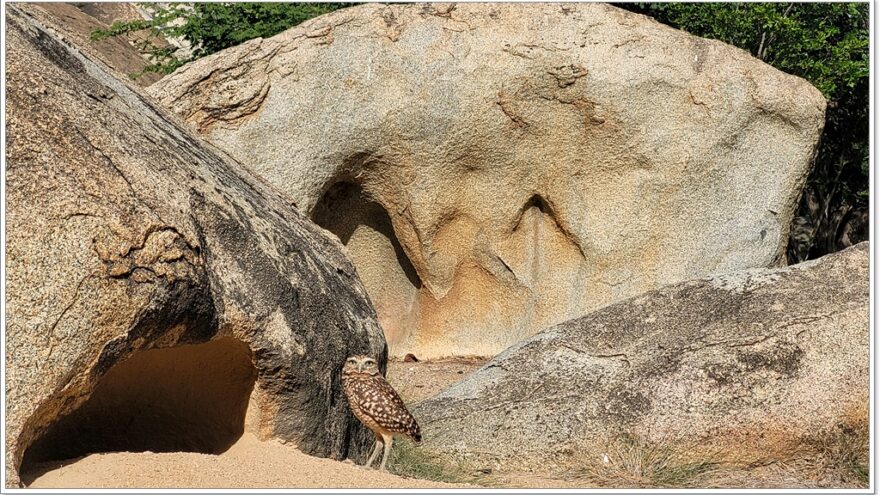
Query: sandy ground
point(251, 463)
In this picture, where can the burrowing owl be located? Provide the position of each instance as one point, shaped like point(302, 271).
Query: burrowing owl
point(377, 405)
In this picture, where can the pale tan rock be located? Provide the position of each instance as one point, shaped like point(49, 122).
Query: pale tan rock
point(534, 161)
point(158, 295)
point(749, 364)
point(76, 22)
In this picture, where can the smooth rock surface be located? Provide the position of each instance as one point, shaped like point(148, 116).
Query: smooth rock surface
point(751, 363)
point(498, 168)
point(158, 295)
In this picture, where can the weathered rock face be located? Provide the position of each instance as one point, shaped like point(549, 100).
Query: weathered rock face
point(158, 295)
point(534, 161)
point(755, 359)
point(77, 21)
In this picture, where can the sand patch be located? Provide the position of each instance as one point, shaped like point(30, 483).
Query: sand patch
point(249, 463)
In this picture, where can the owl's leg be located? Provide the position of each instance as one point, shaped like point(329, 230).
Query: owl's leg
point(373, 453)
point(388, 440)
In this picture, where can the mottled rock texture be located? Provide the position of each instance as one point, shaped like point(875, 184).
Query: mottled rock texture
point(497, 168)
point(76, 22)
point(751, 362)
point(158, 295)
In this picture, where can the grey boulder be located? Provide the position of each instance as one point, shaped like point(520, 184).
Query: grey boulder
point(750, 362)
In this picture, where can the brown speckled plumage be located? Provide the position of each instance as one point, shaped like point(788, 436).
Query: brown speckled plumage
point(375, 403)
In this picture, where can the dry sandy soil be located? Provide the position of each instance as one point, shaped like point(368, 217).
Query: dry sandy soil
point(251, 463)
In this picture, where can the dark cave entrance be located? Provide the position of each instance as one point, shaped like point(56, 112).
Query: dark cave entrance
point(365, 228)
point(189, 398)
point(344, 208)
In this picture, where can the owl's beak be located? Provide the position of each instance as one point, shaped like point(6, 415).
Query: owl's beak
point(360, 367)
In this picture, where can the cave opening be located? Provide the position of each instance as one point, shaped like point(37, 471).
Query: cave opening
point(536, 201)
point(365, 228)
point(190, 398)
point(344, 209)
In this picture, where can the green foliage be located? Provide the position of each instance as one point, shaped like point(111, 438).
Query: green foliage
point(826, 44)
point(210, 27)
point(215, 26)
point(162, 58)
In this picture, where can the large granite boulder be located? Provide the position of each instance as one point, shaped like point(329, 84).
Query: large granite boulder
point(497, 168)
point(158, 296)
point(748, 364)
point(75, 22)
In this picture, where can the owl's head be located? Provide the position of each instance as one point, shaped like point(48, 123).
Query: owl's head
point(363, 365)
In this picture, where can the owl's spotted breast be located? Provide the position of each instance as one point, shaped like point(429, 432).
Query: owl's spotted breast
point(375, 403)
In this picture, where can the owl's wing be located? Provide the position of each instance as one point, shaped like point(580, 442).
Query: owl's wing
point(383, 404)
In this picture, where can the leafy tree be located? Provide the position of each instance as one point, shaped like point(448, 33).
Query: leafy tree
point(826, 44)
point(209, 27)
point(215, 26)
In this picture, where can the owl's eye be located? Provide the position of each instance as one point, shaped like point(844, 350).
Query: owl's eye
point(370, 361)
point(352, 361)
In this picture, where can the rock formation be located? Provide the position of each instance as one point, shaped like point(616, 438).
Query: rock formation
point(498, 168)
point(158, 295)
point(75, 22)
point(753, 361)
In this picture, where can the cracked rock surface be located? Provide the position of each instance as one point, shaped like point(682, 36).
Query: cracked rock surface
point(751, 362)
point(494, 169)
point(127, 235)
